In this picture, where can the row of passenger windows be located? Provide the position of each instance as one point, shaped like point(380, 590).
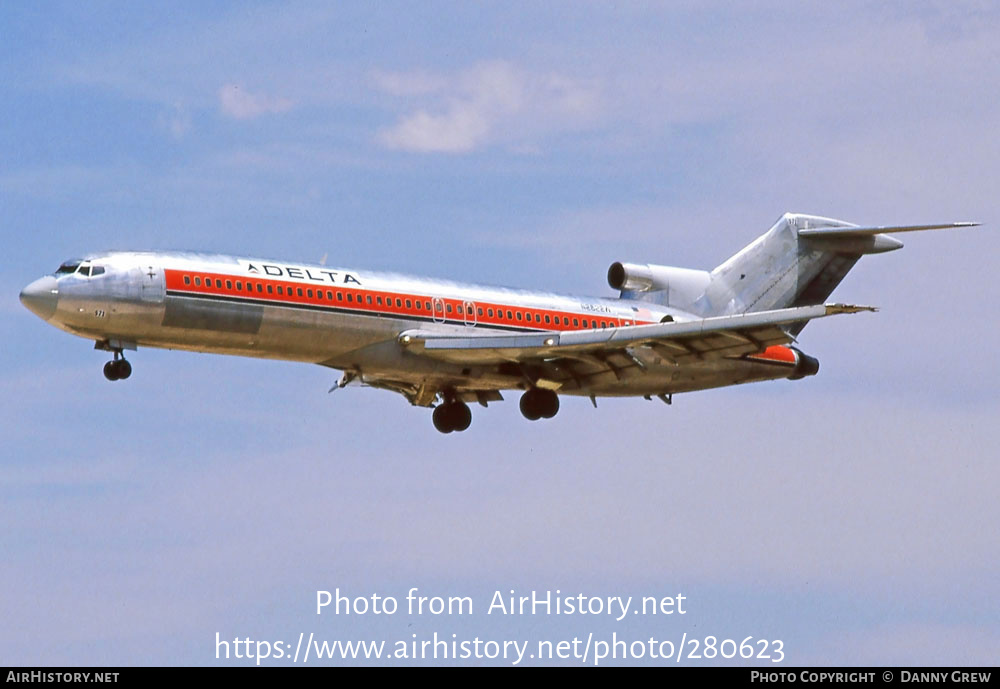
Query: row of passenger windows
point(511, 314)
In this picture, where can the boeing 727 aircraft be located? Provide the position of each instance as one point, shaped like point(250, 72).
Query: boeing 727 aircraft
point(444, 344)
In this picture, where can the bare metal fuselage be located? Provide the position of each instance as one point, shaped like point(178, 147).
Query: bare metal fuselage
point(352, 320)
point(445, 344)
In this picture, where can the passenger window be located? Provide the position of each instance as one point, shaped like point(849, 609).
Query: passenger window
point(329, 295)
point(260, 288)
point(340, 296)
point(399, 302)
point(368, 298)
point(459, 308)
point(479, 310)
point(309, 292)
point(281, 290)
point(409, 304)
point(449, 308)
point(576, 323)
point(270, 289)
point(518, 315)
point(239, 286)
point(218, 283)
point(378, 300)
point(187, 279)
point(490, 312)
point(547, 319)
point(350, 297)
point(319, 294)
point(229, 284)
point(427, 305)
point(510, 316)
point(197, 281)
point(299, 290)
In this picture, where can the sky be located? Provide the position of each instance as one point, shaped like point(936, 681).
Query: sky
point(852, 516)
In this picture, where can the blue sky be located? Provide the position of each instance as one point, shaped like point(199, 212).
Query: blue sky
point(851, 515)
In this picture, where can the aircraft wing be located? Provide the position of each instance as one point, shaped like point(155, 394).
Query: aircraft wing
point(678, 342)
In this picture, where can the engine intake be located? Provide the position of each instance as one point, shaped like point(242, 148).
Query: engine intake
point(680, 286)
point(630, 276)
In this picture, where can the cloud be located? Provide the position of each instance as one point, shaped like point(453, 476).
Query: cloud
point(178, 122)
point(243, 105)
point(489, 102)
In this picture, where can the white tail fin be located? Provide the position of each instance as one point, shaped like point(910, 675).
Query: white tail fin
point(798, 262)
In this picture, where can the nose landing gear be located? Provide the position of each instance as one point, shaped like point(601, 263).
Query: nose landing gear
point(118, 369)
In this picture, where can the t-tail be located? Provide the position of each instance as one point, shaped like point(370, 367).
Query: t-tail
point(798, 262)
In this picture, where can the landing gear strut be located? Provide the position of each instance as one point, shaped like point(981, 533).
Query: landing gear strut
point(537, 403)
point(453, 415)
point(118, 369)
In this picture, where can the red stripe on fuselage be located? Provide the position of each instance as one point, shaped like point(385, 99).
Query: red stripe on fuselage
point(366, 301)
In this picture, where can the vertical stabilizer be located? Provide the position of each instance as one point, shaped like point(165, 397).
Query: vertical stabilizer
point(798, 262)
point(782, 268)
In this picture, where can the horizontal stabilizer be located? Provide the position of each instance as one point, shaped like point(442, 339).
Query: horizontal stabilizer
point(835, 232)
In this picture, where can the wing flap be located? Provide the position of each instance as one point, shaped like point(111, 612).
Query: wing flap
point(716, 337)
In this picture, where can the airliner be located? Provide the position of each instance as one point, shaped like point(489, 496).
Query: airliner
point(444, 345)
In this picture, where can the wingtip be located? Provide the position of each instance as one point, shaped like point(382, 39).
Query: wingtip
point(848, 308)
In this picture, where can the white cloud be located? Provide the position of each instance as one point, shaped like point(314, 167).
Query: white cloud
point(460, 130)
point(489, 102)
point(239, 103)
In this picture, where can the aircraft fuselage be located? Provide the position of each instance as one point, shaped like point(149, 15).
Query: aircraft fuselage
point(350, 320)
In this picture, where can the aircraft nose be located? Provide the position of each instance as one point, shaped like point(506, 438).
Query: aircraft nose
point(40, 297)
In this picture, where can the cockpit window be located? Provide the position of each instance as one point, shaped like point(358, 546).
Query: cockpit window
point(79, 267)
point(69, 266)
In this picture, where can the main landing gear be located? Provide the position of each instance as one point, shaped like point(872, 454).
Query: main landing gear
point(537, 403)
point(118, 369)
point(453, 415)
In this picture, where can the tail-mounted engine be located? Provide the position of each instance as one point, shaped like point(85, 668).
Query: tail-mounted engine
point(679, 286)
point(805, 365)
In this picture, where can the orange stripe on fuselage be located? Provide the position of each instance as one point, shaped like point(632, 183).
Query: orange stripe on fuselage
point(357, 299)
